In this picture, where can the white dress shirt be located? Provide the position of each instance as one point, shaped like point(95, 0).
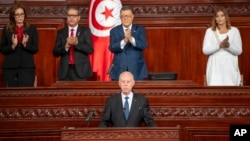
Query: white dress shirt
point(75, 30)
point(129, 100)
point(132, 40)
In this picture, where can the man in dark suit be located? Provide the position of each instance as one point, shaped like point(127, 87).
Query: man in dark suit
point(73, 44)
point(127, 42)
point(126, 109)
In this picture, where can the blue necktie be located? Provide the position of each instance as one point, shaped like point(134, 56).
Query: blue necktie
point(126, 106)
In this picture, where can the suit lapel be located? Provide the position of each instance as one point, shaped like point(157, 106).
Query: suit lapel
point(133, 106)
point(79, 31)
point(121, 32)
point(121, 110)
point(66, 33)
point(133, 30)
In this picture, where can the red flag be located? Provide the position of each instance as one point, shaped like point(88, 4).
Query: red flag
point(103, 16)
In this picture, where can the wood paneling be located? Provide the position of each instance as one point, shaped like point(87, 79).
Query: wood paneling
point(114, 84)
point(203, 113)
point(207, 134)
point(177, 51)
point(175, 31)
point(30, 135)
point(46, 63)
point(122, 134)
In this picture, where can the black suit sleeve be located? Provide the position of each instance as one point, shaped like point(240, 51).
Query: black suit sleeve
point(59, 48)
point(106, 117)
point(147, 116)
point(32, 44)
point(84, 41)
point(6, 42)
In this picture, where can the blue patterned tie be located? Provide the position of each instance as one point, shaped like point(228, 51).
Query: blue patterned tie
point(126, 106)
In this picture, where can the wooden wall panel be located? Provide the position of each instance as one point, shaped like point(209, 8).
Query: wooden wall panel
point(175, 31)
point(207, 134)
point(178, 50)
point(121, 134)
point(46, 63)
point(244, 58)
point(203, 113)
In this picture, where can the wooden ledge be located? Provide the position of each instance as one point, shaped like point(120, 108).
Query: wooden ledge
point(114, 84)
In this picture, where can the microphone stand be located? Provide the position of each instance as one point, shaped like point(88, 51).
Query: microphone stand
point(110, 70)
point(89, 117)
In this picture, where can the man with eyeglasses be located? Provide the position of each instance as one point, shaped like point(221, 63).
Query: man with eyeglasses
point(127, 42)
point(19, 44)
point(73, 45)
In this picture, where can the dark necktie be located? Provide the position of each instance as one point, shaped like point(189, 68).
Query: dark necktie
point(71, 49)
point(126, 106)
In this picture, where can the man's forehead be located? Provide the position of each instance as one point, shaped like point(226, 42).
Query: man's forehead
point(126, 12)
point(126, 78)
point(72, 11)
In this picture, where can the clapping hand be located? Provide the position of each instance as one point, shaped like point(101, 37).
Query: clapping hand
point(225, 43)
point(127, 35)
point(25, 39)
point(71, 41)
point(14, 41)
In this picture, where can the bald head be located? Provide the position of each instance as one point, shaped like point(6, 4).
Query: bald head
point(126, 74)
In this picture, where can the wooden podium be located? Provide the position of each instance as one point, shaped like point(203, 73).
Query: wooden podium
point(40, 114)
point(121, 134)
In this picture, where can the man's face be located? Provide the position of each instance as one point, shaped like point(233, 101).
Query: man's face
point(126, 17)
point(72, 17)
point(126, 83)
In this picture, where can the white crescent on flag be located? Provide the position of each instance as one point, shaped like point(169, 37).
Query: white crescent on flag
point(103, 16)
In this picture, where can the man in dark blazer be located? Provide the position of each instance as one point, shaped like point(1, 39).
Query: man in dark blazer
point(77, 39)
point(114, 113)
point(127, 42)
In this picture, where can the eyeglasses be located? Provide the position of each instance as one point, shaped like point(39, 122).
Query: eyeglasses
point(72, 16)
point(126, 16)
point(19, 15)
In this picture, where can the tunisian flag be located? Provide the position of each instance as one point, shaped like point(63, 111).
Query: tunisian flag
point(103, 16)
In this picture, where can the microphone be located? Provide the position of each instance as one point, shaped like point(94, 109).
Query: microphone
point(110, 69)
point(89, 117)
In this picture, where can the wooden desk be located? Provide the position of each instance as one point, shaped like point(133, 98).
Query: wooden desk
point(122, 134)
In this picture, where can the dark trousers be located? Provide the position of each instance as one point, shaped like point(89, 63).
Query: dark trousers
point(19, 77)
point(72, 75)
